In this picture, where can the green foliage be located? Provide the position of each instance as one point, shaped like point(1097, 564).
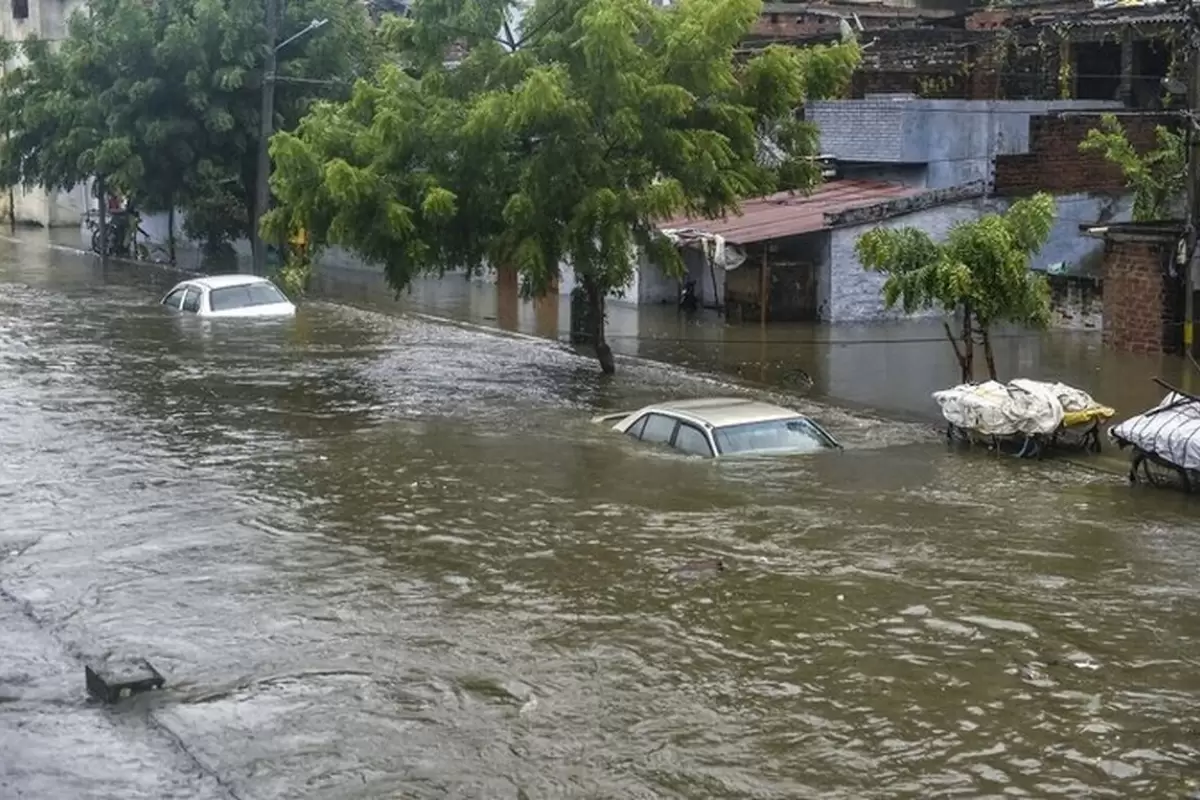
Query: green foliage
point(566, 141)
point(980, 271)
point(163, 99)
point(1158, 178)
point(294, 275)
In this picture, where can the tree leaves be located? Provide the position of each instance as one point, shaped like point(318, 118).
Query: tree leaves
point(607, 117)
point(981, 270)
point(164, 99)
point(1158, 178)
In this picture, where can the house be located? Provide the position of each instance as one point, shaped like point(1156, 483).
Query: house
point(798, 259)
point(1021, 50)
point(906, 161)
point(47, 20)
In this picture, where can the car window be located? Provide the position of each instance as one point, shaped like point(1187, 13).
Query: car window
point(796, 435)
point(635, 430)
point(691, 440)
point(191, 301)
point(172, 299)
point(658, 428)
point(255, 294)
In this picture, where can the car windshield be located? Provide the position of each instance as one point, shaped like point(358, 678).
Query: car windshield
point(796, 435)
point(253, 294)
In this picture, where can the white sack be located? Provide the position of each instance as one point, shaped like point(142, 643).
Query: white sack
point(1173, 434)
point(1018, 407)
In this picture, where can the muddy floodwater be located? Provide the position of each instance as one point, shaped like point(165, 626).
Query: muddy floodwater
point(377, 556)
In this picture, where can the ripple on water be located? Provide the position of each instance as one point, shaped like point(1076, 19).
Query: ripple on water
point(384, 557)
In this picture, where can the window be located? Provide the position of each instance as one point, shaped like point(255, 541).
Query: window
point(797, 435)
point(691, 440)
point(172, 299)
point(635, 430)
point(20, 9)
point(658, 429)
point(254, 294)
point(191, 302)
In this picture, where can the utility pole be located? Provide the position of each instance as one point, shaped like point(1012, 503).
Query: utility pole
point(1193, 180)
point(262, 187)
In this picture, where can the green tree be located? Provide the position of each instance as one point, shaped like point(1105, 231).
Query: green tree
point(561, 142)
point(162, 99)
point(1158, 177)
point(980, 272)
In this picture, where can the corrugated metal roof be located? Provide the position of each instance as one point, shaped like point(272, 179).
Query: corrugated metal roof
point(1121, 12)
point(786, 214)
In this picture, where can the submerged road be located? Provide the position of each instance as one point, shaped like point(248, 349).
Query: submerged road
point(381, 557)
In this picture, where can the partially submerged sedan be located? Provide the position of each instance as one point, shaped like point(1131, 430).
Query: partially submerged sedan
point(229, 296)
point(724, 426)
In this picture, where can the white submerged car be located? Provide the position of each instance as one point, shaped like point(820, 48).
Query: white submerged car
point(229, 296)
point(724, 426)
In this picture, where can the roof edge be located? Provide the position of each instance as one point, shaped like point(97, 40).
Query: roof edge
point(1150, 231)
point(899, 206)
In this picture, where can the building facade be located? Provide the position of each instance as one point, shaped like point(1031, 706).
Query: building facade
point(46, 20)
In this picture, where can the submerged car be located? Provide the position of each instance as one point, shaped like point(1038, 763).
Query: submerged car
point(724, 426)
point(229, 296)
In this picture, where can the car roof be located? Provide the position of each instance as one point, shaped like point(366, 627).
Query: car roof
point(224, 281)
point(721, 411)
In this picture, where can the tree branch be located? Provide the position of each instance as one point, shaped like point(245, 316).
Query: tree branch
point(953, 340)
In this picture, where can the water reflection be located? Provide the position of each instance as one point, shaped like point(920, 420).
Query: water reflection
point(889, 367)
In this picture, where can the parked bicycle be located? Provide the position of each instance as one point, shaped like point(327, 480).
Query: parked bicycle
point(124, 229)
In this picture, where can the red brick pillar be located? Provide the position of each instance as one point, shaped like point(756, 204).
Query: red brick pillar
point(1138, 296)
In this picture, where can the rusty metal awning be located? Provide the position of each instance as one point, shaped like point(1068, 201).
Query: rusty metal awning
point(785, 214)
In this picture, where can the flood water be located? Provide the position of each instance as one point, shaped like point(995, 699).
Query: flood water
point(376, 556)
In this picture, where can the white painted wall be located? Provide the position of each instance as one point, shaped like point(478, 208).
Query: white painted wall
point(856, 294)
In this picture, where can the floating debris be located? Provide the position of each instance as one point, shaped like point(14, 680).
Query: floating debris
point(700, 569)
point(115, 683)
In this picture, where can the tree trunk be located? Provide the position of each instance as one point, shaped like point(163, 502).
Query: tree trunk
point(171, 229)
point(596, 314)
point(987, 351)
point(958, 352)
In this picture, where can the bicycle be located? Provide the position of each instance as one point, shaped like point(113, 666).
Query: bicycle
point(132, 248)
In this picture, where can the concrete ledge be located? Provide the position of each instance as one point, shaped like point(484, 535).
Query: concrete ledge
point(905, 205)
point(1158, 231)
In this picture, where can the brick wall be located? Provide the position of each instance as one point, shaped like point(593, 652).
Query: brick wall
point(1139, 298)
point(785, 26)
point(1054, 163)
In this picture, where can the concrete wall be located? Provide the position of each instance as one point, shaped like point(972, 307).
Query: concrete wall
point(47, 19)
point(855, 294)
point(851, 294)
point(655, 287)
point(1066, 244)
point(189, 256)
point(1076, 303)
point(956, 139)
